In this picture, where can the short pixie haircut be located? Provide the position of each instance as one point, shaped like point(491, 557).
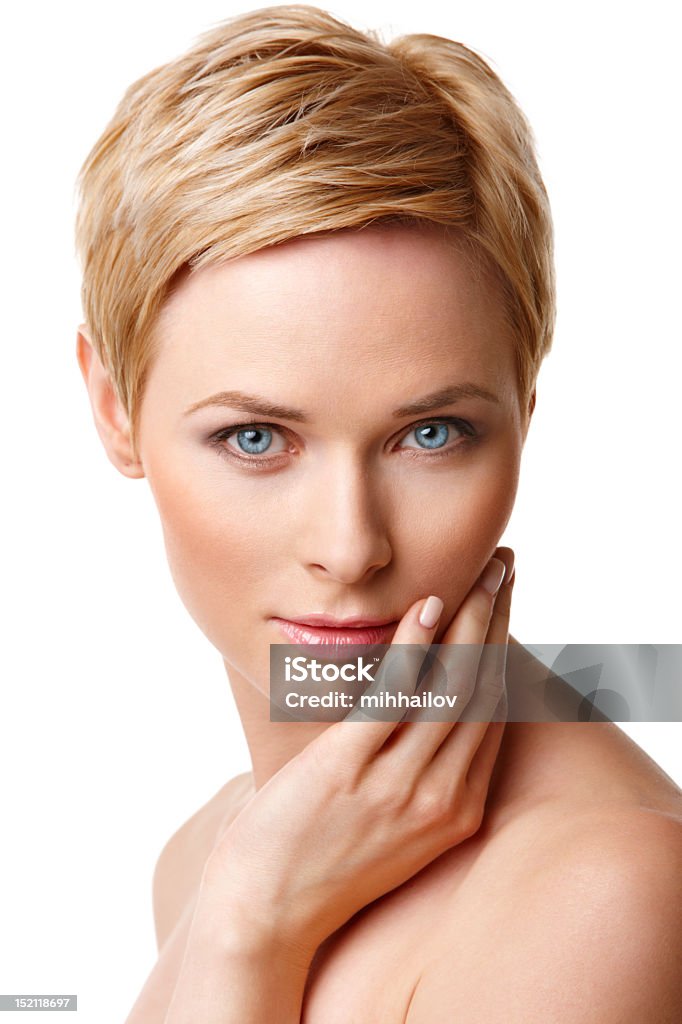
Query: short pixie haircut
point(286, 121)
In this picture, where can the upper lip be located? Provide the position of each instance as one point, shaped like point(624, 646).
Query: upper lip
point(354, 621)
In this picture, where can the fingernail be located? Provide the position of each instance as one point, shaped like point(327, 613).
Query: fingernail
point(492, 576)
point(431, 611)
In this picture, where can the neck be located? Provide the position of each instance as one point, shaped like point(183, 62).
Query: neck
point(271, 744)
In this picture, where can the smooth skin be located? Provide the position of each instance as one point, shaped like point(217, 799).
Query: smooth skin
point(354, 838)
point(548, 888)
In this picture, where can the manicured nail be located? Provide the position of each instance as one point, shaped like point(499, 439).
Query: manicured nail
point(492, 576)
point(430, 613)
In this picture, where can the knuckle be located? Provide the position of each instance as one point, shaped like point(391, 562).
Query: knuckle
point(466, 689)
point(432, 807)
point(480, 609)
point(455, 815)
point(470, 625)
point(389, 795)
point(502, 710)
point(387, 802)
point(470, 818)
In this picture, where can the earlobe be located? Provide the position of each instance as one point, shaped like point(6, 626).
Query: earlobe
point(529, 414)
point(110, 417)
point(531, 404)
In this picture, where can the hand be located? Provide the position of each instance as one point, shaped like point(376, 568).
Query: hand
point(365, 805)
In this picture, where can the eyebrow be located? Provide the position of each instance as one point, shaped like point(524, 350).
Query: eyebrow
point(260, 406)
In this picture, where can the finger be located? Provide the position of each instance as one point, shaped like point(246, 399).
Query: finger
point(491, 681)
point(462, 646)
point(470, 625)
point(498, 629)
point(489, 703)
point(470, 750)
point(483, 761)
point(398, 672)
point(451, 678)
point(469, 747)
point(489, 700)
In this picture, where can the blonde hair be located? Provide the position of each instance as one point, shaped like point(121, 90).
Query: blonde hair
point(286, 121)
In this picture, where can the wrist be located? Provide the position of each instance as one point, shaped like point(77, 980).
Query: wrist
point(231, 974)
point(247, 927)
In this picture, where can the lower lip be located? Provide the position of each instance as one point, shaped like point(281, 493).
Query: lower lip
point(297, 633)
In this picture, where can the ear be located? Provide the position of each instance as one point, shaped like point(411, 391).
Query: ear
point(529, 414)
point(110, 416)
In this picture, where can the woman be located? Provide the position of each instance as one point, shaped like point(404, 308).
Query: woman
point(318, 286)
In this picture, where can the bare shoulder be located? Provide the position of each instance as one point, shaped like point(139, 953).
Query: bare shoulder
point(180, 864)
point(599, 848)
point(580, 910)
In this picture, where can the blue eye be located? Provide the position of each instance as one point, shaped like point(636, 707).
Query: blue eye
point(435, 434)
point(253, 440)
point(430, 436)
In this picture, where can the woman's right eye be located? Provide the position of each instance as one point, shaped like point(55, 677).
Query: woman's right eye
point(251, 441)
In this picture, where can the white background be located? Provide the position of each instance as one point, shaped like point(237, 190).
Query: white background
point(117, 722)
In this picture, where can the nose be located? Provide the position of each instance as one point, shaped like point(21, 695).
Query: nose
point(344, 535)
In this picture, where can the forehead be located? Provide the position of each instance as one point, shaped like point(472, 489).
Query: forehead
point(386, 303)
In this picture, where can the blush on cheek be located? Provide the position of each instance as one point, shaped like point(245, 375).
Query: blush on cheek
point(476, 521)
point(219, 563)
point(203, 553)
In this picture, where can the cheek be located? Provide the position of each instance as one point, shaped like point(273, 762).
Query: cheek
point(217, 546)
point(461, 523)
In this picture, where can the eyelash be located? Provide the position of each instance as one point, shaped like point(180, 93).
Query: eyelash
point(216, 440)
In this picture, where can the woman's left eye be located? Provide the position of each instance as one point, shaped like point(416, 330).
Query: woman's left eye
point(434, 434)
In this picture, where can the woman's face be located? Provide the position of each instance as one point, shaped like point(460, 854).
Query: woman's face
point(335, 498)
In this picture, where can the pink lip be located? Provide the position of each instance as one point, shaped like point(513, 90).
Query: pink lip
point(315, 619)
point(317, 631)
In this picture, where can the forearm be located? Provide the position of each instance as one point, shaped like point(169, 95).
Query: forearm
point(230, 975)
point(152, 1004)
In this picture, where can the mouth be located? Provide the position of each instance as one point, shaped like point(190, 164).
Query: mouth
point(323, 629)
